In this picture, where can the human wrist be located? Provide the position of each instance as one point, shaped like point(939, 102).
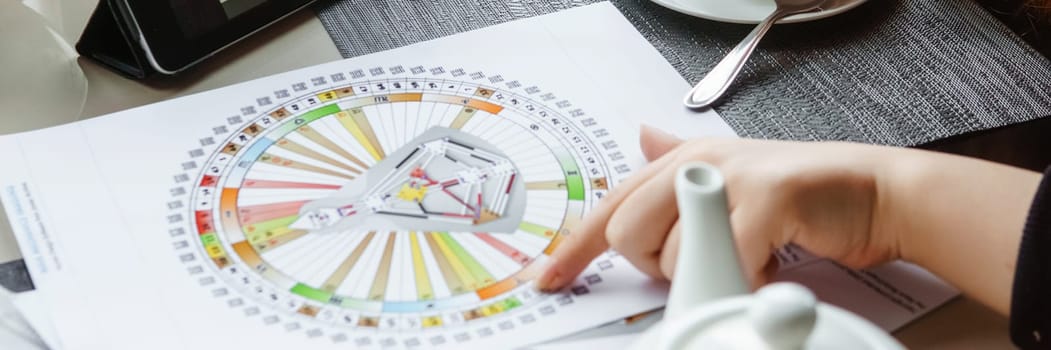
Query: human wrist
point(960, 218)
point(895, 170)
point(903, 175)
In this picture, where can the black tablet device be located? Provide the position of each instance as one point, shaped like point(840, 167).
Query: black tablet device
point(171, 35)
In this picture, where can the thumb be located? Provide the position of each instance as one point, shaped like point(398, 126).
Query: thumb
point(655, 143)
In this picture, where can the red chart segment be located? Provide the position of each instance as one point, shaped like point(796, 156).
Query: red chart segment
point(426, 201)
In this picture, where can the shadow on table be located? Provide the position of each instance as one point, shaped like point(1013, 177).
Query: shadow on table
point(961, 324)
point(1023, 145)
point(850, 26)
point(824, 36)
point(223, 58)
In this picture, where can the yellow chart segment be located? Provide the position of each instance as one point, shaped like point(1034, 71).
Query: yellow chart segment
point(328, 96)
point(319, 152)
point(279, 237)
point(479, 275)
point(358, 125)
point(463, 118)
point(453, 277)
point(458, 266)
point(423, 283)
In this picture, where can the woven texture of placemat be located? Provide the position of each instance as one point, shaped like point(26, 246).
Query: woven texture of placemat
point(898, 72)
point(15, 277)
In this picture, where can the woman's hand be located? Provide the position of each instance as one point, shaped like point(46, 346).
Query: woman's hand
point(820, 197)
point(860, 205)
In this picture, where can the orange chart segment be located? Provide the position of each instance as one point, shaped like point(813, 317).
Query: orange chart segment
point(397, 204)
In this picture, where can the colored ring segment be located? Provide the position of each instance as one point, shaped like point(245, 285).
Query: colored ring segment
point(275, 167)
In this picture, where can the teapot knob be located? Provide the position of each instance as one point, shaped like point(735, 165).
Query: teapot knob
point(783, 314)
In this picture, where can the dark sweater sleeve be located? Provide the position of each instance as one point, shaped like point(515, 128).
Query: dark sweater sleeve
point(1031, 293)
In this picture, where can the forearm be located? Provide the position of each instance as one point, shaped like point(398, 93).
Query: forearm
point(958, 217)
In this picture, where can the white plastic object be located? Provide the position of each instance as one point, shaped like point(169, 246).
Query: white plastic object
point(711, 270)
point(783, 314)
point(709, 307)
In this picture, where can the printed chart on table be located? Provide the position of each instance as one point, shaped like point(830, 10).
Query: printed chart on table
point(396, 200)
point(401, 203)
point(404, 199)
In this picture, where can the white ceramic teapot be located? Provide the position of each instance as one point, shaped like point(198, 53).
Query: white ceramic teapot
point(709, 306)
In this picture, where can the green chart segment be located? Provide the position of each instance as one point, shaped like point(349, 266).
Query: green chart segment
point(574, 179)
point(313, 147)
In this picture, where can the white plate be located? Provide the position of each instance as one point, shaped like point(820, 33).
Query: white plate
point(750, 11)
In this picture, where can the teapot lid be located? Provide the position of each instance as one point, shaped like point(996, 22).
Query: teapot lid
point(779, 316)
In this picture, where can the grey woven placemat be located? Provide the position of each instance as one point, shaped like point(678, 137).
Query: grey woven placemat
point(15, 277)
point(899, 72)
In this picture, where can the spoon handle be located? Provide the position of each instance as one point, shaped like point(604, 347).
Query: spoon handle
point(719, 78)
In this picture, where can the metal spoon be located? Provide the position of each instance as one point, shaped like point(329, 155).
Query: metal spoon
point(709, 89)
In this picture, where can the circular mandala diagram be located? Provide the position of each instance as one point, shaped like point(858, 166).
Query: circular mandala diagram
point(396, 203)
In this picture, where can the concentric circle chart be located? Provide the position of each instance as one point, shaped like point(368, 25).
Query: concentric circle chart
point(397, 203)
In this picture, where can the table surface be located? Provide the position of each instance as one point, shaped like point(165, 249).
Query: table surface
point(962, 323)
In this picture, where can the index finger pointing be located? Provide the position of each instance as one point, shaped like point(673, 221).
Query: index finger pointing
point(576, 250)
point(589, 239)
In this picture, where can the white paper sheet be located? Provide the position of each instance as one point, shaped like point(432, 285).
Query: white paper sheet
point(140, 232)
point(33, 308)
point(93, 207)
point(15, 332)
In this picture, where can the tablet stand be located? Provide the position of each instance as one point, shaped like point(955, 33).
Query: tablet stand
point(107, 40)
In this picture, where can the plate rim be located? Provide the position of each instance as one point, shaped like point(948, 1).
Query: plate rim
point(671, 5)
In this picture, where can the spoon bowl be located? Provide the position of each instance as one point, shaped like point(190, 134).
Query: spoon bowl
point(718, 80)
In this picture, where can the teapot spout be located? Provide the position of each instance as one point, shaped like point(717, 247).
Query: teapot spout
point(707, 268)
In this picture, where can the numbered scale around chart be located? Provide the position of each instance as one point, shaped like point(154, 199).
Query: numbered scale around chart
point(396, 204)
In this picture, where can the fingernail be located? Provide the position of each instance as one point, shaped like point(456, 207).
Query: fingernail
point(646, 128)
point(550, 278)
point(548, 281)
